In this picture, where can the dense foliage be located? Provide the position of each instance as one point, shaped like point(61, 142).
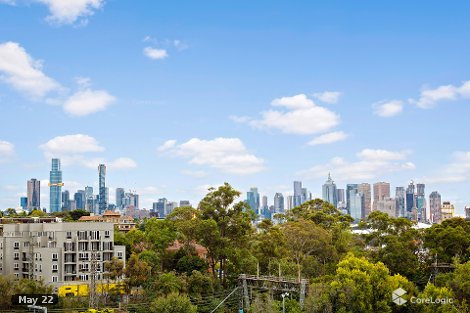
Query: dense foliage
point(347, 271)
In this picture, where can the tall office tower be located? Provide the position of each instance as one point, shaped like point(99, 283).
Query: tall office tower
point(381, 191)
point(467, 213)
point(24, 203)
point(80, 199)
point(304, 197)
point(34, 194)
point(55, 185)
point(170, 206)
point(184, 203)
point(410, 201)
point(65, 200)
point(90, 203)
point(400, 199)
point(119, 197)
point(340, 195)
point(160, 207)
point(278, 203)
point(447, 210)
point(421, 203)
point(102, 204)
point(290, 202)
point(297, 198)
point(252, 198)
point(364, 190)
point(329, 191)
point(355, 203)
point(350, 187)
point(435, 205)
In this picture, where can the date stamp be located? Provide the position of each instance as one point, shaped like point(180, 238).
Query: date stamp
point(34, 299)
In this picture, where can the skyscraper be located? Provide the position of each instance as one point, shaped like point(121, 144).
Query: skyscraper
point(400, 199)
point(65, 200)
point(290, 202)
point(90, 202)
point(435, 205)
point(278, 203)
point(421, 203)
point(447, 210)
point(24, 203)
point(350, 187)
point(381, 191)
point(119, 197)
point(102, 188)
point(34, 194)
point(80, 199)
point(329, 191)
point(387, 205)
point(410, 201)
point(355, 203)
point(365, 192)
point(252, 198)
point(55, 186)
point(340, 198)
point(160, 207)
point(297, 198)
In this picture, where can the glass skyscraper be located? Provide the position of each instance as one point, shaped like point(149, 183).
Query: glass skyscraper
point(34, 194)
point(252, 198)
point(102, 204)
point(55, 186)
point(297, 200)
point(329, 192)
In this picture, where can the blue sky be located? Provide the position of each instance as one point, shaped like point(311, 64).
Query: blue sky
point(176, 96)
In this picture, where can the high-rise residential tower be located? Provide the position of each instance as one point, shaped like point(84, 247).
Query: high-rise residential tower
point(278, 203)
point(421, 203)
point(297, 198)
point(102, 205)
point(80, 199)
point(119, 197)
point(350, 187)
point(381, 191)
point(410, 200)
point(252, 198)
point(90, 203)
point(400, 199)
point(329, 191)
point(34, 194)
point(356, 209)
point(435, 205)
point(55, 185)
point(364, 190)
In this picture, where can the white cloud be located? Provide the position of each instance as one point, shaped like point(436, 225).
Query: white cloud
point(328, 138)
point(195, 174)
point(7, 150)
point(240, 119)
point(70, 144)
point(23, 73)
point(81, 150)
point(122, 163)
point(328, 96)
point(167, 145)
point(229, 155)
point(458, 170)
point(370, 163)
point(302, 117)
point(87, 101)
point(70, 11)
point(155, 54)
point(388, 108)
point(430, 97)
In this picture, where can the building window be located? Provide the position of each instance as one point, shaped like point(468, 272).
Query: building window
point(82, 256)
point(55, 257)
point(16, 245)
point(83, 277)
point(69, 235)
point(17, 275)
point(54, 279)
point(16, 256)
point(83, 267)
point(119, 254)
point(107, 234)
point(16, 266)
point(55, 268)
point(26, 244)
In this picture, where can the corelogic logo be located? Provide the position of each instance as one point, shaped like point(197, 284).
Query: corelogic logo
point(397, 296)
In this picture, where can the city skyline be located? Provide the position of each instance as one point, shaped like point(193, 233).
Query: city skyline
point(174, 102)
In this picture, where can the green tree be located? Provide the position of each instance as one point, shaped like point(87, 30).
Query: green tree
point(76, 214)
point(137, 272)
point(225, 225)
point(160, 233)
point(173, 303)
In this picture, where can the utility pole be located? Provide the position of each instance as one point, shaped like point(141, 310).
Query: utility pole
point(284, 295)
point(92, 286)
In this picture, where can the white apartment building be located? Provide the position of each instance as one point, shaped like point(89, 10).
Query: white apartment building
point(57, 252)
